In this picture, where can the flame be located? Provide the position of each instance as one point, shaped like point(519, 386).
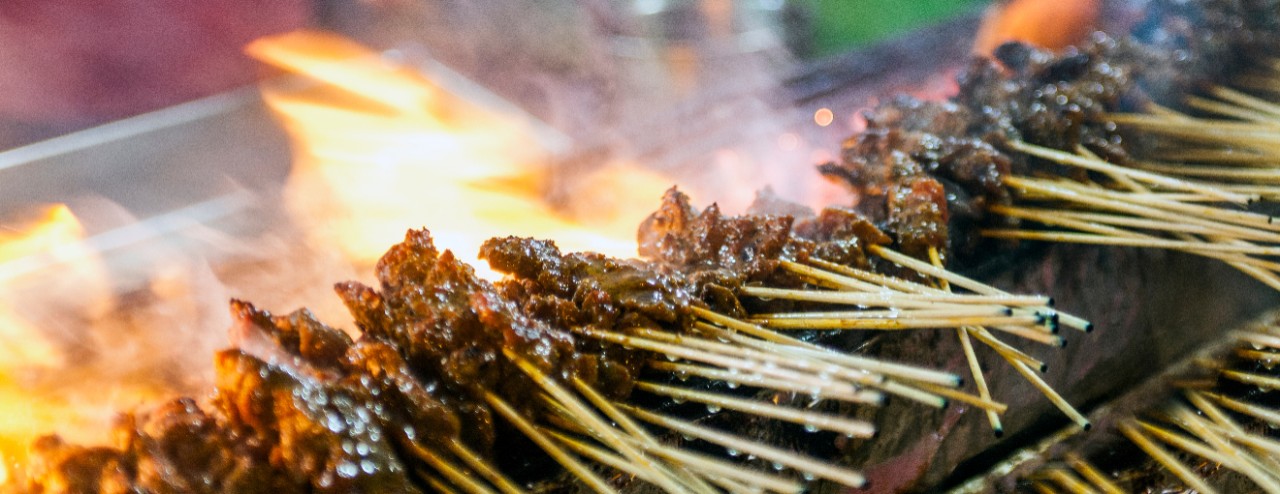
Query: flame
point(380, 149)
point(62, 370)
point(55, 235)
point(1051, 24)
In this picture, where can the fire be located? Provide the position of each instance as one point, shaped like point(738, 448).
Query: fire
point(1051, 24)
point(54, 235)
point(43, 258)
point(380, 149)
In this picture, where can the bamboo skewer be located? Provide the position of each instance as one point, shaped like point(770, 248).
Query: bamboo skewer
point(810, 420)
point(975, 368)
point(894, 299)
point(1164, 458)
point(604, 432)
point(804, 464)
point(821, 369)
point(830, 390)
point(1090, 473)
point(548, 444)
point(1066, 480)
point(1243, 462)
point(480, 465)
point(1255, 411)
point(1104, 167)
point(455, 474)
point(850, 360)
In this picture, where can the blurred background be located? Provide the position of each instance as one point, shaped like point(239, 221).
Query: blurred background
point(72, 66)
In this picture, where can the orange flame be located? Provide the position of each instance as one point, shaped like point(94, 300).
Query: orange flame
point(52, 286)
point(1050, 24)
point(380, 149)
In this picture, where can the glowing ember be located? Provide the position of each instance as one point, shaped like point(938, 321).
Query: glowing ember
point(379, 149)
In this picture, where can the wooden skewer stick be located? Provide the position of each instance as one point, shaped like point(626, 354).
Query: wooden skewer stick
point(791, 459)
point(893, 299)
point(1104, 223)
point(604, 432)
point(833, 278)
point(801, 383)
point(932, 271)
point(716, 466)
point(1210, 410)
point(1256, 268)
point(1244, 462)
point(825, 370)
point(455, 474)
point(823, 391)
point(473, 460)
point(436, 483)
point(978, 311)
point(855, 361)
point(1067, 480)
point(548, 445)
point(1042, 487)
point(640, 434)
point(1254, 379)
point(1104, 167)
point(983, 402)
point(1086, 238)
point(617, 462)
point(1202, 127)
point(1265, 445)
point(1187, 444)
point(1252, 175)
point(813, 420)
point(916, 394)
point(1053, 396)
point(1095, 477)
point(1143, 205)
point(897, 324)
point(1229, 110)
point(822, 370)
point(1164, 458)
point(567, 422)
point(878, 279)
point(1234, 157)
point(1033, 334)
point(975, 367)
point(1260, 356)
point(1007, 351)
point(966, 283)
point(1261, 339)
point(600, 455)
point(1246, 100)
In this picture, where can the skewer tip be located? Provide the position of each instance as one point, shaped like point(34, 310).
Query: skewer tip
point(1044, 367)
point(1049, 303)
point(1062, 342)
point(1088, 327)
point(998, 432)
point(1086, 425)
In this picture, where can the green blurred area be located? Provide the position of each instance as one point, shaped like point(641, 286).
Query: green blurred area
point(840, 25)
